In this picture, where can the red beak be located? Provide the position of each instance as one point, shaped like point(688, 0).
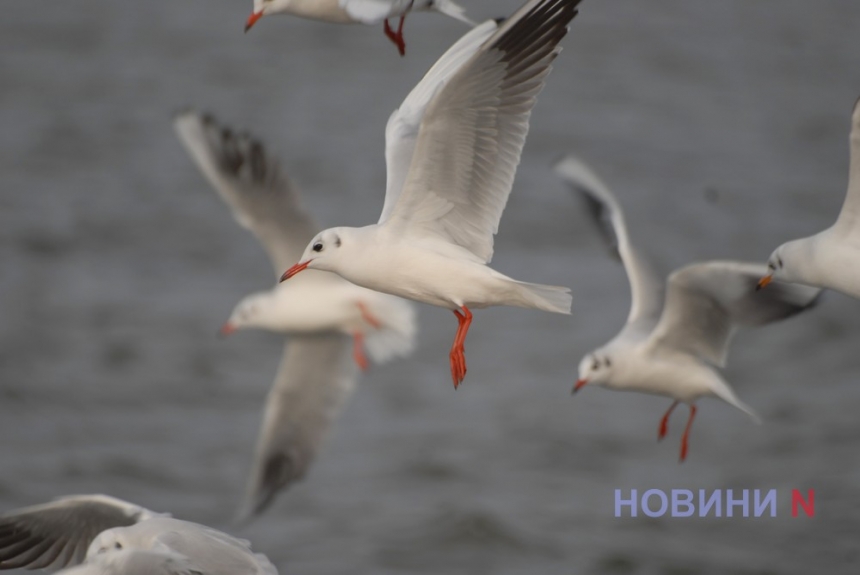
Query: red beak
point(227, 329)
point(580, 383)
point(294, 270)
point(763, 282)
point(252, 19)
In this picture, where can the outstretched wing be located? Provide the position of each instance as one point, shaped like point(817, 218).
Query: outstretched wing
point(646, 286)
point(262, 199)
point(706, 301)
point(849, 217)
point(58, 534)
point(401, 133)
point(473, 130)
point(314, 380)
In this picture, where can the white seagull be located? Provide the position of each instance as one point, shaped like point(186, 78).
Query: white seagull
point(674, 348)
point(358, 11)
point(316, 374)
point(829, 259)
point(264, 201)
point(452, 150)
point(102, 535)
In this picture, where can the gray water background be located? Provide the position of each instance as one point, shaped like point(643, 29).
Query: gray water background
point(723, 128)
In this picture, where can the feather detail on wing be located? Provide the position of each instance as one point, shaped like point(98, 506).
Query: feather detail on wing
point(57, 534)
point(262, 199)
point(849, 217)
point(473, 130)
point(646, 286)
point(705, 302)
point(314, 380)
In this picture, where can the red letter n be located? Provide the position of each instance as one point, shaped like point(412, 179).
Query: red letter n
point(808, 504)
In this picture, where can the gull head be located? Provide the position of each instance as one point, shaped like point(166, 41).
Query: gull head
point(108, 541)
point(324, 252)
point(775, 267)
point(594, 369)
point(250, 312)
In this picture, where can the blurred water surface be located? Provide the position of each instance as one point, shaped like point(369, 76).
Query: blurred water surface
point(721, 125)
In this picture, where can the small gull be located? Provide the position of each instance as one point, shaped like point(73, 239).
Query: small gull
point(316, 374)
point(264, 201)
point(452, 150)
point(102, 535)
point(673, 348)
point(829, 259)
point(358, 11)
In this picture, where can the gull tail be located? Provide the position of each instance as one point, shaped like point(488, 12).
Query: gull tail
point(396, 336)
point(725, 393)
point(452, 9)
point(555, 299)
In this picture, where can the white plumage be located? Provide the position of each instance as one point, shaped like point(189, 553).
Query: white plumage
point(452, 151)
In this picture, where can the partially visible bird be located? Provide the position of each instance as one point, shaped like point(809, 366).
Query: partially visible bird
point(452, 150)
point(829, 259)
point(674, 346)
point(316, 374)
point(102, 535)
point(358, 11)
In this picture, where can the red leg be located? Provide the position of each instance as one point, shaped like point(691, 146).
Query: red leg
point(458, 350)
point(397, 37)
point(664, 423)
point(367, 316)
point(687, 433)
point(358, 351)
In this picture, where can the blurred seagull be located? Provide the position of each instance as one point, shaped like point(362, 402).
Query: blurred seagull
point(829, 259)
point(452, 150)
point(674, 348)
point(102, 535)
point(358, 11)
point(316, 376)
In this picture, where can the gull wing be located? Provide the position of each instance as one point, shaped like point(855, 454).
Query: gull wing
point(314, 380)
point(646, 286)
point(401, 133)
point(705, 302)
point(247, 178)
point(58, 533)
point(849, 217)
point(473, 130)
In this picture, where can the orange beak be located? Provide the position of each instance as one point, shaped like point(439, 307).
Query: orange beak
point(227, 329)
point(763, 282)
point(252, 19)
point(294, 270)
point(580, 383)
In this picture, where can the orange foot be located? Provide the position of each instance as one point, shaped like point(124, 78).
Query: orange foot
point(397, 37)
point(458, 350)
point(358, 351)
point(687, 433)
point(664, 423)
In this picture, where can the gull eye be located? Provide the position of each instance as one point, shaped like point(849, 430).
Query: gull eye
point(117, 545)
point(318, 247)
point(770, 266)
point(596, 365)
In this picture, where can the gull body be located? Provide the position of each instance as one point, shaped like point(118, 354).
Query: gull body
point(102, 535)
point(452, 149)
point(265, 201)
point(357, 12)
point(320, 311)
point(672, 345)
point(831, 258)
point(430, 271)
